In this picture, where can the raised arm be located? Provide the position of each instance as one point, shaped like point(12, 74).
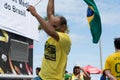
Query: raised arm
point(47, 27)
point(50, 9)
point(85, 75)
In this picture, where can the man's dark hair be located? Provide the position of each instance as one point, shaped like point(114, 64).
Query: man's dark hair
point(117, 43)
point(66, 71)
point(63, 20)
point(38, 68)
point(75, 67)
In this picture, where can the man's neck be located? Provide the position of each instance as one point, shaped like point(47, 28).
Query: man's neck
point(117, 50)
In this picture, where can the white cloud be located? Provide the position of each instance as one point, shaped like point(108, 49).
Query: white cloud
point(76, 38)
point(110, 13)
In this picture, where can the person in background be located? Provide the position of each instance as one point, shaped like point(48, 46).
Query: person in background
point(103, 76)
point(87, 77)
point(38, 70)
point(58, 45)
point(79, 74)
point(112, 63)
point(37, 73)
point(67, 76)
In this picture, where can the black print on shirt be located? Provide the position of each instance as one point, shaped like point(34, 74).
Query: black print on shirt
point(50, 52)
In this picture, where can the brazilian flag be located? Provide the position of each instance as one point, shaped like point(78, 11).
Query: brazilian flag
point(94, 20)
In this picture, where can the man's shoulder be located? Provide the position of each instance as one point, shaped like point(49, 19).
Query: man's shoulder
point(63, 34)
point(37, 78)
point(114, 54)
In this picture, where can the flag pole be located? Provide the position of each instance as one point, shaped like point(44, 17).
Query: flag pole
point(100, 49)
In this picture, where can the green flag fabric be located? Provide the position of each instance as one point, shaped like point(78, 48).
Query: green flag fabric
point(94, 20)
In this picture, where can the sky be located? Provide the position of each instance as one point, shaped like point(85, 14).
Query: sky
point(83, 50)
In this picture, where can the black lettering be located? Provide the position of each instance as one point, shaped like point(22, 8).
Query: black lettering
point(20, 2)
point(21, 12)
point(25, 4)
point(7, 6)
point(14, 9)
point(14, 1)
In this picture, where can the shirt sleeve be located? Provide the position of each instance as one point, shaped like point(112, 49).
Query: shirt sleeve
point(107, 63)
point(65, 42)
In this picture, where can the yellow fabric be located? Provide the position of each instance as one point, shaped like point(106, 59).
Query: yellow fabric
point(5, 36)
point(113, 64)
point(77, 78)
point(1, 71)
point(55, 58)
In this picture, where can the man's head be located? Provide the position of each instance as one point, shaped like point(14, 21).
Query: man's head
point(117, 43)
point(38, 70)
point(66, 71)
point(76, 70)
point(59, 23)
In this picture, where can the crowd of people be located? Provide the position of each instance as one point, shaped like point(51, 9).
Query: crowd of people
point(78, 74)
point(58, 46)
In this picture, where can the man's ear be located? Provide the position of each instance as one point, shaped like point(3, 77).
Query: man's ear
point(65, 27)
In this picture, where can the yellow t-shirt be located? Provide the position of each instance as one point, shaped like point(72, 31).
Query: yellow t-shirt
point(113, 64)
point(78, 77)
point(55, 57)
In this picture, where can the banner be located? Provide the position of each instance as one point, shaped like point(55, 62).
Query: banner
point(15, 18)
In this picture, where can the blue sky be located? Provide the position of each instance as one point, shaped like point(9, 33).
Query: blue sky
point(83, 51)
